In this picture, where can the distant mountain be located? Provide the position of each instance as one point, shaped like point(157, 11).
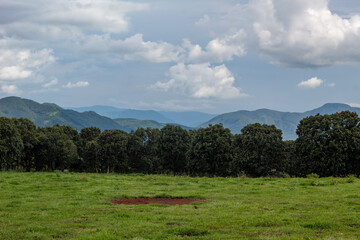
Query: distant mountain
point(102, 110)
point(286, 121)
point(128, 124)
point(189, 118)
point(115, 113)
point(48, 114)
point(331, 108)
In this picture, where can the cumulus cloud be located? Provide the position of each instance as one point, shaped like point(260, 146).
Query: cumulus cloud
point(201, 81)
point(17, 64)
point(133, 48)
point(108, 16)
point(76, 85)
point(303, 33)
point(52, 83)
point(13, 72)
point(311, 83)
point(217, 50)
point(10, 89)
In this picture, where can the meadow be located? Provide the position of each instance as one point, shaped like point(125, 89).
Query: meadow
point(44, 205)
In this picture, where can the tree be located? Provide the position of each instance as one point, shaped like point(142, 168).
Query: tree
point(173, 145)
point(137, 150)
point(92, 156)
point(11, 145)
point(211, 151)
point(113, 148)
point(329, 145)
point(29, 136)
point(88, 139)
point(259, 150)
point(56, 149)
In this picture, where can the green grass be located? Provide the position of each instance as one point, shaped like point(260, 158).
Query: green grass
point(76, 206)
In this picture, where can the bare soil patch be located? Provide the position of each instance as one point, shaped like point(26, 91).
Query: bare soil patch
point(157, 200)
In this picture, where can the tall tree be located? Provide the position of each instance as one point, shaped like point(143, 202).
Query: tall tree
point(29, 136)
point(11, 145)
point(259, 150)
point(211, 151)
point(173, 145)
point(113, 145)
point(329, 145)
point(56, 149)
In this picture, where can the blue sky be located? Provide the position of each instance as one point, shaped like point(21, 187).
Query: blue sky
point(204, 55)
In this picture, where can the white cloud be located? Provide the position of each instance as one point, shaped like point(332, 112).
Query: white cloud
point(10, 89)
point(18, 64)
point(217, 50)
point(303, 33)
point(133, 48)
point(76, 85)
point(205, 19)
point(311, 83)
point(201, 81)
point(13, 72)
point(108, 16)
point(53, 82)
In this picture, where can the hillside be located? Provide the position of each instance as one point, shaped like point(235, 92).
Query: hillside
point(286, 121)
point(128, 124)
point(50, 114)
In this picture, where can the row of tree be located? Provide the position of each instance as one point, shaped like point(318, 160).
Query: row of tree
point(328, 145)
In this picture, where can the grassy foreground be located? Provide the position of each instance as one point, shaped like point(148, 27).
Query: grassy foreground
point(76, 206)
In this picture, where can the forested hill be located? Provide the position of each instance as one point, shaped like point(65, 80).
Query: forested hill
point(286, 121)
point(48, 114)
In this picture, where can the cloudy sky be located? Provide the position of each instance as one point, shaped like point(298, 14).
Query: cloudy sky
point(205, 55)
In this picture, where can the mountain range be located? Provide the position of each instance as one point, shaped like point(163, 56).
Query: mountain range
point(190, 118)
point(286, 121)
point(106, 117)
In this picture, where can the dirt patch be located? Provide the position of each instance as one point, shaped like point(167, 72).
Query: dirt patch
point(159, 200)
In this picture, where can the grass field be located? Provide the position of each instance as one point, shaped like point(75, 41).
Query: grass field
point(76, 206)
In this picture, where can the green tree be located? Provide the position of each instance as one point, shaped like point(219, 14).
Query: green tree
point(11, 145)
point(29, 136)
point(113, 147)
point(56, 149)
point(88, 138)
point(173, 145)
point(259, 150)
point(92, 157)
point(137, 150)
point(211, 151)
point(152, 152)
point(329, 145)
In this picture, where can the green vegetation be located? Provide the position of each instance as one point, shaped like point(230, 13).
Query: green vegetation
point(286, 121)
point(76, 206)
point(328, 145)
point(45, 115)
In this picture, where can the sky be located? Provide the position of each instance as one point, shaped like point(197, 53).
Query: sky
point(204, 55)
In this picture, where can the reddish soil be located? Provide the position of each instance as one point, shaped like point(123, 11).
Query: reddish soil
point(167, 201)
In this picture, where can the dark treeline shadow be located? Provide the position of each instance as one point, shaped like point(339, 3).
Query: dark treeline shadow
point(327, 145)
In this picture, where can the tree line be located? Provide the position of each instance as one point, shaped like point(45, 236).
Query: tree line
point(328, 145)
